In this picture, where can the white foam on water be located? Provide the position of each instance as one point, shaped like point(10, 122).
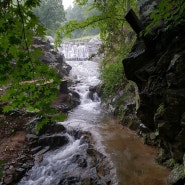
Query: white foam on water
point(84, 117)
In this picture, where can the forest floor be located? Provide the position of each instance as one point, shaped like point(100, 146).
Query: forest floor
point(12, 135)
point(13, 132)
point(14, 148)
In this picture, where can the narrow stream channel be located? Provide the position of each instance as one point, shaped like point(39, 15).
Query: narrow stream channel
point(133, 163)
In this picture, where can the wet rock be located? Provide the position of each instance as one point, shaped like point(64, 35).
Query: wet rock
point(48, 58)
point(64, 87)
point(70, 180)
point(39, 42)
point(75, 98)
point(44, 150)
point(36, 149)
point(53, 141)
point(28, 164)
point(177, 176)
point(153, 136)
point(80, 160)
point(75, 94)
point(31, 137)
point(52, 128)
point(124, 106)
point(8, 179)
point(20, 170)
point(93, 88)
point(51, 57)
point(94, 96)
point(67, 101)
point(31, 126)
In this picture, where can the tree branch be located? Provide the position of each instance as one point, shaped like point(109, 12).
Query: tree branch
point(24, 36)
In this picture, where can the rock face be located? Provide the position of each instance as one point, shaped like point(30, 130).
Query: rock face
point(85, 166)
point(158, 70)
point(51, 57)
point(66, 100)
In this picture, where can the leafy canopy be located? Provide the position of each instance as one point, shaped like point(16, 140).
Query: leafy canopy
point(170, 12)
point(80, 13)
point(27, 82)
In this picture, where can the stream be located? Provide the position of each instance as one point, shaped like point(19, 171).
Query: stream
point(129, 161)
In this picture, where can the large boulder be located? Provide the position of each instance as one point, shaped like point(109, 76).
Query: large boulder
point(50, 56)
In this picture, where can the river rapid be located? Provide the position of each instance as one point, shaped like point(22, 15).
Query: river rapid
point(131, 162)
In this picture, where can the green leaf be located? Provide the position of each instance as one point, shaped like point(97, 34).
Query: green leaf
point(42, 123)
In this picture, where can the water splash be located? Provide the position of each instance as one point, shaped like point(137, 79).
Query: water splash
point(78, 51)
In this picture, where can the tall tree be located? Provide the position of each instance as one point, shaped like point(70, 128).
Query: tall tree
point(109, 19)
point(80, 13)
point(51, 14)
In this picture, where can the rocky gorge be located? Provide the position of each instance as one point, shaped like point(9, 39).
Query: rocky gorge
point(158, 70)
point(70, 152)
point(71, 149)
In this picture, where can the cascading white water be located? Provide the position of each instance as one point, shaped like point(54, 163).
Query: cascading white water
point(131, 158)
point(76, 51)
point(85, 75)
point(56, 164)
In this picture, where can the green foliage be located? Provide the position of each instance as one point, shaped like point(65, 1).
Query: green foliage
point(116, 35)
point(109, 18)
point(112, 78)
point(160, 109)
point(51, 14)
point(49, 119)
point(27, 82)
point(171, 163)
point(170, 12)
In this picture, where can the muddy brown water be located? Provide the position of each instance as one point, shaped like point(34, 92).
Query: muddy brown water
point(134, 162)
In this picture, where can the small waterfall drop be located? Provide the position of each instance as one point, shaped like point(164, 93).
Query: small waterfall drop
point(75, 51)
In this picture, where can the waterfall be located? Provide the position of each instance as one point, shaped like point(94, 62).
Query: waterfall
point(75, 51)
point(72, 163)
point(80, 51)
